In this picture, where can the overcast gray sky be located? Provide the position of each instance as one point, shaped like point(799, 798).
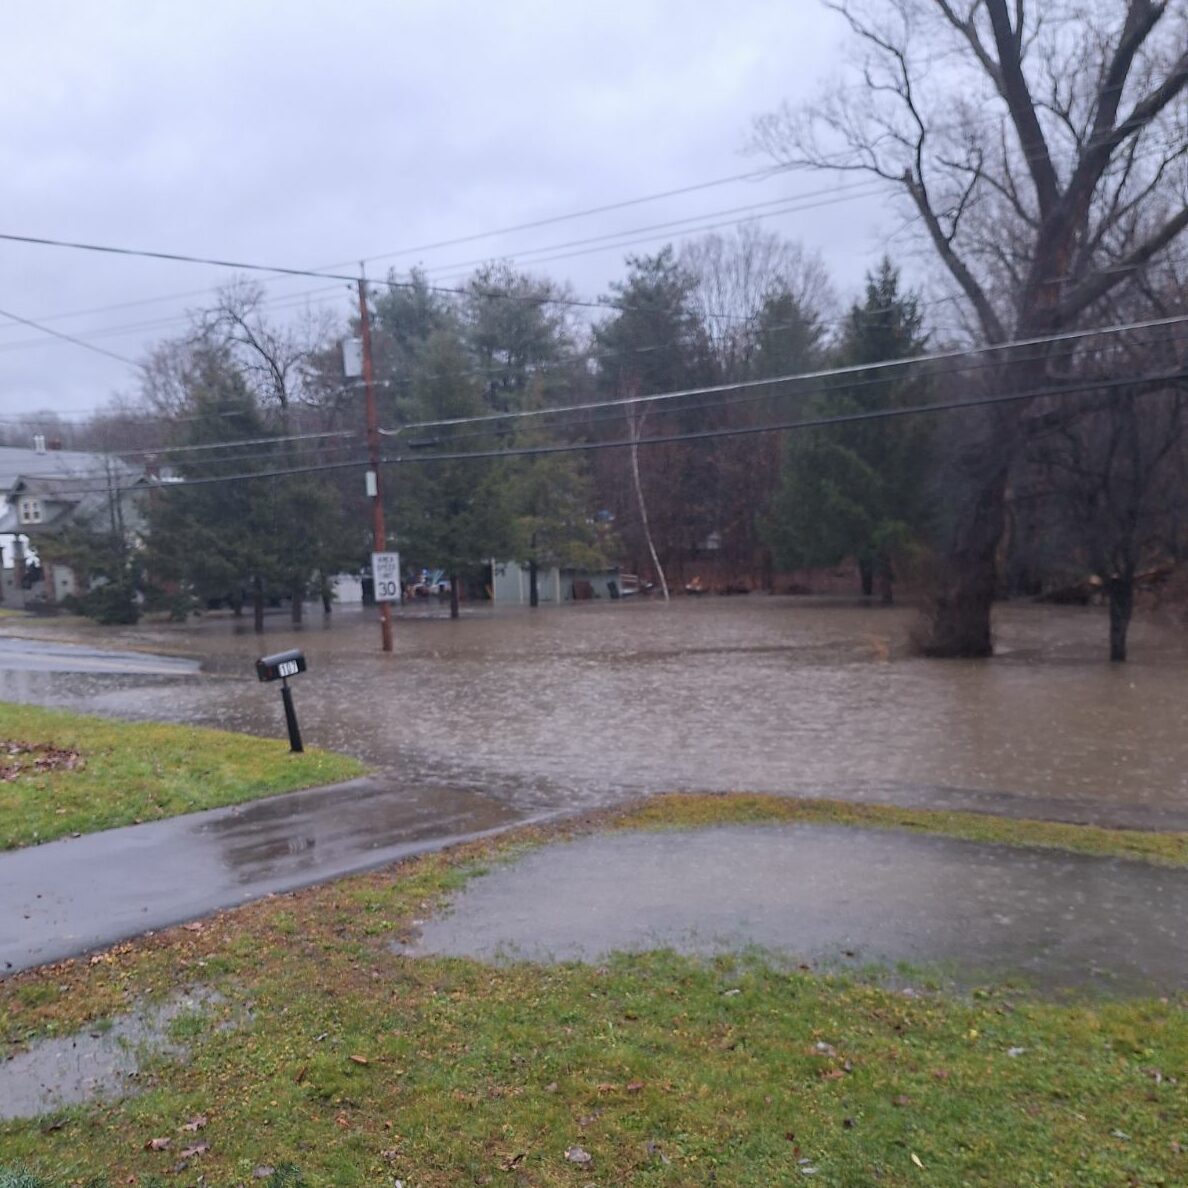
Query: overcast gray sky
point(308, 134)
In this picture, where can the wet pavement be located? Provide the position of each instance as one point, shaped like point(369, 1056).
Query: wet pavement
point(582, 706)
point(832, 896)
point(44, 656)
point(78, 894)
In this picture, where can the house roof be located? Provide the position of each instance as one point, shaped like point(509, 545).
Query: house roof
point(19, 462)
point(78, 481)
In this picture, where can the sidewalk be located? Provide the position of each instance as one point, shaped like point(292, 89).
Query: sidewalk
point(68, 897)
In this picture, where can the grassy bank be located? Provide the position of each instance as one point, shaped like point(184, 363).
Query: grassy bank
point(63, 773)
point(685, 810)
point(361, 1067)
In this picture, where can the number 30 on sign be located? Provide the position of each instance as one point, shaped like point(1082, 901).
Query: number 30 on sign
point(385, 571)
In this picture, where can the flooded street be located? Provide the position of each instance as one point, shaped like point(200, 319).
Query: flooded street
point(583, 706)
point(574, 707)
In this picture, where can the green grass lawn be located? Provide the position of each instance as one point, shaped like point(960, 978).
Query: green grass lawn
point(63, 773)
point(361, 1067)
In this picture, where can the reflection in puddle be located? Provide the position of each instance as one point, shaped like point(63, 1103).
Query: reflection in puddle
point(101, 1062)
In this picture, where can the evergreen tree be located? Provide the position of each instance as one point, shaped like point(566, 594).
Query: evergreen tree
point(856, 490)
point(451, 515)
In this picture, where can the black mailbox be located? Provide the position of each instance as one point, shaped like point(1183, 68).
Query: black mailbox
point(280, 666)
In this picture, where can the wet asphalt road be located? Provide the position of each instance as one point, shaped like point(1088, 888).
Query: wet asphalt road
point(79, 894)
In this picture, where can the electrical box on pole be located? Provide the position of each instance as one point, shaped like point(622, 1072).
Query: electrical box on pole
point(352, 358)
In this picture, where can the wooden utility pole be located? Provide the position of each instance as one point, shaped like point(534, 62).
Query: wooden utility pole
point(373, 450)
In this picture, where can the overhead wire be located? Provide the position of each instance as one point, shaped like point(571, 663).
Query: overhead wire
point(778, 390)
point(821, 373)
point(1080, 387)
point(741, 386)
point(762, 387)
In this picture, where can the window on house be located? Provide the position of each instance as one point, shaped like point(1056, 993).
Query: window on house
point(30, 510)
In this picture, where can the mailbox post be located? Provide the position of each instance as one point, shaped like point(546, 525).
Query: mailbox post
point(280, 667)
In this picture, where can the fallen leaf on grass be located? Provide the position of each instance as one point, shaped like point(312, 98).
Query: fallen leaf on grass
point(196, 1149)
point(653, 1148)
point(157, 1144)
point(513, 1161)
point(635, 1086)
point(901, 1101)
point(916, 1160)
point(263, 1172)
point(578, 1155)
point(195, 1124)
point(359, 1060)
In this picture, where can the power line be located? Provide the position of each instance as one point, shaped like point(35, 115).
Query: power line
point(784, 205)
point(752, 175)
point(805, 423)
point(247, 441)
point(824, 373)
point(728, 403)
point(86, 346)
point(1056, 391)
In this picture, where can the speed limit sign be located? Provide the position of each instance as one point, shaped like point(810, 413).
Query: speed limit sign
point(385, 572)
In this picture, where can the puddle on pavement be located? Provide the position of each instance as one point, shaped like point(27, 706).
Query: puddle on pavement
point(101, 1062)
point(832, 896)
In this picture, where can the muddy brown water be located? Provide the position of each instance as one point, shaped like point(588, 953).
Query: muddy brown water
point(580, 706)
point(505, 715)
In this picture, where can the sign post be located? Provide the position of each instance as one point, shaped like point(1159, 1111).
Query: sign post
point(385, 574)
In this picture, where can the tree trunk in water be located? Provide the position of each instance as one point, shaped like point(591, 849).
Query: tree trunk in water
point(326, 593)
point(886, 581)
point(454, 611)
point(960, 620)
point(533, 588)
point(298, 607)
point(866, 575)
point(258, 605)
point(1121, 593)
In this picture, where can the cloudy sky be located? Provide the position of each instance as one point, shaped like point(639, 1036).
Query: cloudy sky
point(310, 134)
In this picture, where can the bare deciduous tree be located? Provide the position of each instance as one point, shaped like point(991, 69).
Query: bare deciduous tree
point(1042, 152)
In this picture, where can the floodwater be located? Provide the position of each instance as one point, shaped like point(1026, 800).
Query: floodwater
point(101, 1062)
point(833, 896)
point(573, 707)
